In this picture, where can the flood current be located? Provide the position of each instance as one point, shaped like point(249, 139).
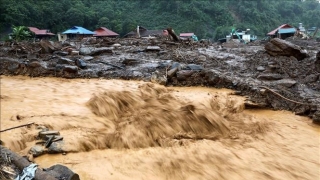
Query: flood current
point(116, 129)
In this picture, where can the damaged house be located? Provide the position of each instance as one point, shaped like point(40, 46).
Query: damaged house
point(104, 32)
point(144, 32)
point(41, 33)
point(284, 31)
point(78, 32)
point(184, 36)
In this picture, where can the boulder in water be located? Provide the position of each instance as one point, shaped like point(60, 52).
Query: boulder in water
point(37, 150)
point(156, 77)
point(172, 72)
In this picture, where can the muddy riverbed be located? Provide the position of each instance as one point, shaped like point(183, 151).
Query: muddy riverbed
point(115, 129)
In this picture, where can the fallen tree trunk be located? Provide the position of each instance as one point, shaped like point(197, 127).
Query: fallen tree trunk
point(22, 162)
point(172, 34)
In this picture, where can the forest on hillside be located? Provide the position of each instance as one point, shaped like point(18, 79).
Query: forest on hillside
point(206, 18)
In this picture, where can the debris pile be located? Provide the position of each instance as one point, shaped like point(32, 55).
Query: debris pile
point(49, 141)
point(7, 169)
point(279, 47)
point(31, 171)
point(13, 165)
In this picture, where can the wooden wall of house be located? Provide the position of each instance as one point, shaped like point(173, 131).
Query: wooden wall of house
point(285, 35)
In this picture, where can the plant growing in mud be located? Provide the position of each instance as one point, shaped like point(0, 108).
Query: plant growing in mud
point(20, 33)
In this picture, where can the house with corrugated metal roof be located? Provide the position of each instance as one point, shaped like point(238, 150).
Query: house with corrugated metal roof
point(284, 31)
point(41, 33)
point(184, 36)
point(144, 32)
point(78, 32)
point(104, 32)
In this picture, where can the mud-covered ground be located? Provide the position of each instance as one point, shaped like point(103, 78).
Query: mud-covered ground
point(276, 82)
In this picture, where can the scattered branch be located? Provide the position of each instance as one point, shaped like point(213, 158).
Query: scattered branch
point(285, 97)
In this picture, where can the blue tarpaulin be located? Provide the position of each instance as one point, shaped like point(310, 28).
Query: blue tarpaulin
point(287, 30)
point(28, 172)
point(77, 30)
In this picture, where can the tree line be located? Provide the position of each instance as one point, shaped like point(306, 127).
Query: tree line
point(206, 18)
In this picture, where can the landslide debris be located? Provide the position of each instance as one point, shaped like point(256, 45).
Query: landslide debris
point(288, 67)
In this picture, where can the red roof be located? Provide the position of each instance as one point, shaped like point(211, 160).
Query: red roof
point(37, 31)
point(102, 31)
point(283, 26)
point(186, 34)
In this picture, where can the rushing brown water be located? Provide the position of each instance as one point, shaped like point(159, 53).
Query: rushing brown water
point(135, 130)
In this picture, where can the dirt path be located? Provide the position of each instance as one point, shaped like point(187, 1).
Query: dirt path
point(159, 133)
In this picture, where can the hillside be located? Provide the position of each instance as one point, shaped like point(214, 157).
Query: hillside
point(208, 19)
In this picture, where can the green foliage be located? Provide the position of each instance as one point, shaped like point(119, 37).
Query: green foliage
point(206, 18)
point(20, 33)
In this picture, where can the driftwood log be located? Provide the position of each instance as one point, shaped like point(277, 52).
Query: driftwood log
point(21, 162)
point(172, 34)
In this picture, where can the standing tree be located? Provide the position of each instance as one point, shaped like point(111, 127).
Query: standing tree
point(20, 33)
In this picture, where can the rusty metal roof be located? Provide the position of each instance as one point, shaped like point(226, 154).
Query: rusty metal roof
point(37, 31)
point(283, 26)
point(186, 34)
point(102, 31)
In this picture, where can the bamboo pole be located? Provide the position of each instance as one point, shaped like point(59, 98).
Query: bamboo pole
point(16, 127)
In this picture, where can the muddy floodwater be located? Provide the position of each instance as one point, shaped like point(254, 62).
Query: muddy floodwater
point(115, 129)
